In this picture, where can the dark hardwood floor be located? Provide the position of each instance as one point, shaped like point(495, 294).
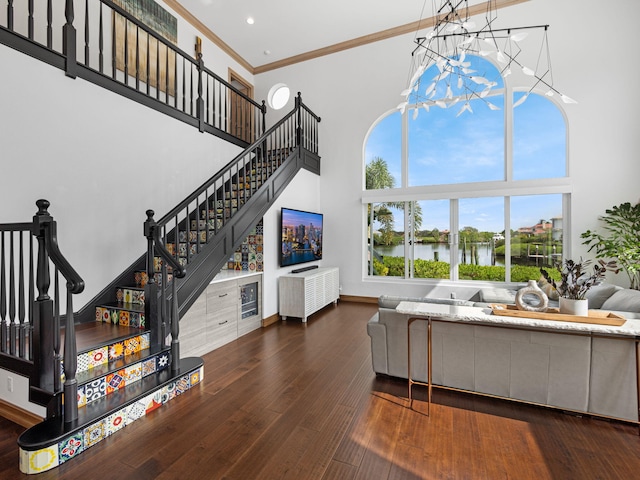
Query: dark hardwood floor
point(296, 401)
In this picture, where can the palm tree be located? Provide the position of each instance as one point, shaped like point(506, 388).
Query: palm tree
point(377, 176)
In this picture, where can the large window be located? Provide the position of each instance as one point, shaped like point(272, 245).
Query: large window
point(467, 187)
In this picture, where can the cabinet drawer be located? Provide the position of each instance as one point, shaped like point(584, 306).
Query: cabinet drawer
point(221, 296)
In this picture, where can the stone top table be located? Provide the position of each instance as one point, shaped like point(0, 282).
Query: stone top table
point(484, 316)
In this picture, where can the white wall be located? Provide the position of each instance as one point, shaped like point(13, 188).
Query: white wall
point(18, 392)
point(302, 194)
point(101, 160)
point(351, 89)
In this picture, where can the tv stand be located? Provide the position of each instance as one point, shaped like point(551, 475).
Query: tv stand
point(305, 293)
point(304, 269)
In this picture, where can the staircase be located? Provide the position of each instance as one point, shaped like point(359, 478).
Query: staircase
point(118, 365)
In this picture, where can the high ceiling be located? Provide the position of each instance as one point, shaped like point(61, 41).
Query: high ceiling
point(285, 28)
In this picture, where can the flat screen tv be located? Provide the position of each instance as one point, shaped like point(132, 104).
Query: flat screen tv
point(300, 237)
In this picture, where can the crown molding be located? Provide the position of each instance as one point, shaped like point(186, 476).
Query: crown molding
point(331, 49)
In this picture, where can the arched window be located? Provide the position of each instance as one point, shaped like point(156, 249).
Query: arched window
point(464, 185)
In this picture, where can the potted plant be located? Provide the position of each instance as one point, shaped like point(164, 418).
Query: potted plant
point(575, 282)
point(621, 240)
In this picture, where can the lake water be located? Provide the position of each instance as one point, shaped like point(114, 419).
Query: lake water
point(426, 251)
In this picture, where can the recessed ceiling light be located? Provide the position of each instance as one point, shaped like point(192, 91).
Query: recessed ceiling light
point(267, 52)
point(250, 20)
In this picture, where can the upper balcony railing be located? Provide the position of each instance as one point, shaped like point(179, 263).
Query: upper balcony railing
point(101, 42)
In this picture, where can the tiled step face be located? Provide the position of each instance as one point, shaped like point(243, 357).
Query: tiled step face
point(133, 295)
point(112, 382)
point(102, 355)
point(125, 315)
point(80, 439)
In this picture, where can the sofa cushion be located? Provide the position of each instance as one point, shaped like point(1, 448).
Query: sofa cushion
point(625, 300)
point(598, 295)
point(497, 295)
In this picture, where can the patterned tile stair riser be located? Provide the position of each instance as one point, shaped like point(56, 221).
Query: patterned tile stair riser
point(114, 380)
point(120, 316)
point(37, 461)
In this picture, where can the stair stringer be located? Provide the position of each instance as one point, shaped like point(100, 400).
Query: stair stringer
point(214, 255)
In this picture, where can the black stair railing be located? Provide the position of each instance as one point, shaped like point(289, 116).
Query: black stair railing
point(106, 45)
point(191, 228)
point(30, 326)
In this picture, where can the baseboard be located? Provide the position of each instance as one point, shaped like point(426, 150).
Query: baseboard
point(343, 298)
point(19, 415)
point(270, 320)
point(358, 299)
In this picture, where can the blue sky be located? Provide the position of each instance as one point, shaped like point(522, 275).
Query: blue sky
point(445, 148)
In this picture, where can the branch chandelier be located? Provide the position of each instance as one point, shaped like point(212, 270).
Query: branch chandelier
point(454, 37)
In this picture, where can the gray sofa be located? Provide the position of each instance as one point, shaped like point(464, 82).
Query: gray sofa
point(592, 374)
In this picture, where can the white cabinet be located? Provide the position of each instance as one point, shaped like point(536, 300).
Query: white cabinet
point(229, 308)
point(301, 294)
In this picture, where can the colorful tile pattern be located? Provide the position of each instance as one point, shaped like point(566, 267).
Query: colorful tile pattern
point(70, 447)
point(115, 381)
point(149, 366)
point(38, 461)
point(94, 433)
point(98, 357)
point(96, 389)
point(248, 257)
point(115, 422)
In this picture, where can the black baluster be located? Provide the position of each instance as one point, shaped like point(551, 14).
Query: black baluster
point(32, 295)
point(69, 40)
point(175, 78)
point(148, 78)
point(10, 15)
point(175, 329)
point(86, 33)
point(21, 302)
point(114, 52)
point(157, 69)
point(70, 365)
point(12, 298)
point(3, 300)
point(166, 75)
point(49, 24)
point(30, 21)
point(184, 87)
point(191, 90)
point(56, 332)
point(206, 118)
point(101, 43)
point(126, 51)
point(137, 58)
point(200, 101)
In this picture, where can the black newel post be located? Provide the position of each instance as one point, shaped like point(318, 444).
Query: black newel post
point(69, 40)
point(44, 360)
point(153, 320)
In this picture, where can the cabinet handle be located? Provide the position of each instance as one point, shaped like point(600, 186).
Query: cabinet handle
point(222, 323)
point(223, 295)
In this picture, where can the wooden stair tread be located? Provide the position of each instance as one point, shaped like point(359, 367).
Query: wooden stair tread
point(131, 307)
point(93, 334)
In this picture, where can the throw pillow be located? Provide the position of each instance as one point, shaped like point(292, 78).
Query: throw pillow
point(625, 300)
point(600, 294)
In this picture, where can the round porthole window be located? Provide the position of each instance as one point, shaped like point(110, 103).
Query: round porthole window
point(278, 96)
